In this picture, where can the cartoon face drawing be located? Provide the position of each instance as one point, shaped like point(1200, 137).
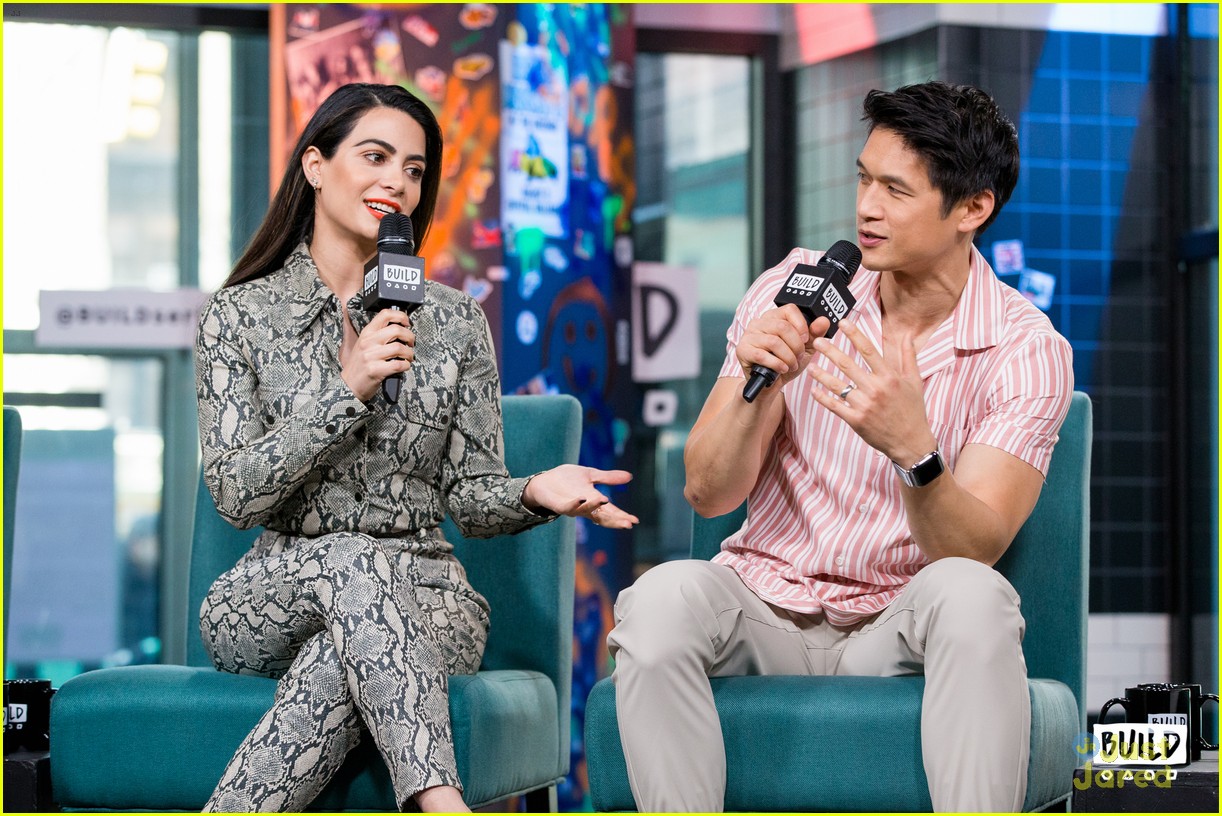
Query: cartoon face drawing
point(577, 340)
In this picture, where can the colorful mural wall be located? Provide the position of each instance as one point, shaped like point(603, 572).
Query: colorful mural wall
point(445, 54)
point(533, 219)
point(568, 177)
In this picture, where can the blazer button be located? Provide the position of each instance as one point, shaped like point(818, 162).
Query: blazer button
point(350, 411)
point(330, 429)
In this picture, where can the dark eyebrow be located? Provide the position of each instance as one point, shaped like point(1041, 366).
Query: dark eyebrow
point(886, 179)
point(389, 149)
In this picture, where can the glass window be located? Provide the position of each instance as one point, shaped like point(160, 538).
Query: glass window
point(90, 161)
point(693, 130)
point(215, 152)
point(86, 560)
point(693, 133)
point(93, 162)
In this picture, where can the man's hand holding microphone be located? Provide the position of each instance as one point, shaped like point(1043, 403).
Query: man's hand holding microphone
point(811, 303)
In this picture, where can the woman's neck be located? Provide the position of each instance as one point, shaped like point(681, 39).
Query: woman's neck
point(340, 265)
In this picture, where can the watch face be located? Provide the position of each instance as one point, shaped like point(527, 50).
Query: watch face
point(924, 471)
point(928, 469)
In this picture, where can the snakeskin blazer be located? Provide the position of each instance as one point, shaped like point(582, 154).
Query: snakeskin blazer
point(287, 445)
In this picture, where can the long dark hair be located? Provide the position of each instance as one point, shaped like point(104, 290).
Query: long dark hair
point(290, 216)
point(967, 142)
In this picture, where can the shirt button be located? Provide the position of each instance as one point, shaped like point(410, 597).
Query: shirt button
point(861, 508)
point(271, 420)
point(359, 498)
point(840, 560)
point(330, 429)
point(350, 411)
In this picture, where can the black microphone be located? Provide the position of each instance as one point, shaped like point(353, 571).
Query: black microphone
point(818, 291)
point(394, 279)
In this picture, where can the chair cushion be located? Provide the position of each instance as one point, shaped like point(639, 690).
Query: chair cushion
point(159, 737)
point(830, 744)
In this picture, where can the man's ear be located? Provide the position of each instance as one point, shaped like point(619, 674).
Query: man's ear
point(975, 210)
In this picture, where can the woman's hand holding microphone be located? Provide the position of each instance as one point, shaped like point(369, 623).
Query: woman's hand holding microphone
point(385, 347)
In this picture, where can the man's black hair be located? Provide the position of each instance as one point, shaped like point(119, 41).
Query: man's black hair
point(967, 143)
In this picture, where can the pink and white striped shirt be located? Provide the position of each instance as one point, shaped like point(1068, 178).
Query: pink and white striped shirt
point(826, 527)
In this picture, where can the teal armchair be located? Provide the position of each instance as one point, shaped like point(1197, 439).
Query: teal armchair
point(158, 737)
point(853, 743)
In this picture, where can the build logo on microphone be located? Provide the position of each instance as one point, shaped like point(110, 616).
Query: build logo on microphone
point(835, 304)
point(803, 284)
point(402, 276)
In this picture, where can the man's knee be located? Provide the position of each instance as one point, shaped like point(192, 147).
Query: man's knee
point(969, 598)
point(666, 615)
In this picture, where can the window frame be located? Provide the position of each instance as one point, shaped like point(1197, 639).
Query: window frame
point(180, 462)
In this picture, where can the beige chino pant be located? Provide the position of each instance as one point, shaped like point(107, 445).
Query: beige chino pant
point(957, 621)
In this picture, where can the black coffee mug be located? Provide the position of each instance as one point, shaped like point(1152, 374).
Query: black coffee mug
point(1184, 699)
point(1196, 730)
point(27, 715)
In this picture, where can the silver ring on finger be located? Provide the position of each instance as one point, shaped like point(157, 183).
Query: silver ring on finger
point(844, 392)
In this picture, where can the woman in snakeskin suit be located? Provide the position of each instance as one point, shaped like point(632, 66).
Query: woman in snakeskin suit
point(351, 596)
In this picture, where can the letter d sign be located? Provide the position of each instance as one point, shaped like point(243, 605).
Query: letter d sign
point(665, 323)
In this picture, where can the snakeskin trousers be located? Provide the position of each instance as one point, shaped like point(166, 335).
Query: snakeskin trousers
point(358, 633)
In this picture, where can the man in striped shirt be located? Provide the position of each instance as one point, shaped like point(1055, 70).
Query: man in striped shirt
point(885, 472)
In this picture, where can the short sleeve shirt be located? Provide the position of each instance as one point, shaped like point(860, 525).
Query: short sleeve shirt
point(826, 529)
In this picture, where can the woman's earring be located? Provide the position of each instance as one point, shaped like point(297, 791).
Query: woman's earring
point(314, 182)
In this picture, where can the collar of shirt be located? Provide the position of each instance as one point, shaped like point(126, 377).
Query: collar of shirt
point(304, 293)
point(973, 325)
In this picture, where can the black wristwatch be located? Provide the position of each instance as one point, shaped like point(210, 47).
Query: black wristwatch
point(927, 468)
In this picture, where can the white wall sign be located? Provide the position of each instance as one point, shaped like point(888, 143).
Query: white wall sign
point(118, 318)
point(665, 322)
point(659, 407)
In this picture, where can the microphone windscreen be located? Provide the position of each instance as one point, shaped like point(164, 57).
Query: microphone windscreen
point(396, 229)
point(846, 254)
point(408, 232)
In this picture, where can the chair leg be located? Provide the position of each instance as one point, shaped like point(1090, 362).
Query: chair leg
point(541, 800)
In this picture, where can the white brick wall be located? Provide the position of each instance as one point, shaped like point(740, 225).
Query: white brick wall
point(1123, 650)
